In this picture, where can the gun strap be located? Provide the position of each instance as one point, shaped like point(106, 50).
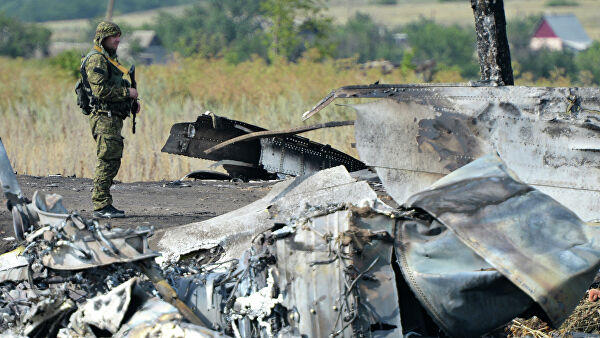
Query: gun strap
point(111, 60)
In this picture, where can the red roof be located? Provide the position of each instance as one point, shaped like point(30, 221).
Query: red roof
point(545, 31)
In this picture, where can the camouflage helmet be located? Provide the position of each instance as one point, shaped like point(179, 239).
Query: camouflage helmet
point(105, 29)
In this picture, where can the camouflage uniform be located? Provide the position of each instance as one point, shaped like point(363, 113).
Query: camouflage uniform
point(112, 105)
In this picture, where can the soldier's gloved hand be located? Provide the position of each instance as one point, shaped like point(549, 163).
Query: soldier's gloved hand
point(138, 107)
point(133, 93)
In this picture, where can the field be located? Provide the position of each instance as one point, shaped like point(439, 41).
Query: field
point(453, 12)
point(45, 133)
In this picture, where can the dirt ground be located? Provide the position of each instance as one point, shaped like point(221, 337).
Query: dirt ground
point(145, 203)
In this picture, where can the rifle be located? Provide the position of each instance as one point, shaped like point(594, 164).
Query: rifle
point(135, 103)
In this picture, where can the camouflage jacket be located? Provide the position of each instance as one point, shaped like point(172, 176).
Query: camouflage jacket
point(108, 85)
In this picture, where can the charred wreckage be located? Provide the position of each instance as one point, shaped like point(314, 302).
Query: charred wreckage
point(419, 243)
point(467, 202)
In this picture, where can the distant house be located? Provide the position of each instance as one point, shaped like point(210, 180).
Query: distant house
point(559, 32)
point(144, 45)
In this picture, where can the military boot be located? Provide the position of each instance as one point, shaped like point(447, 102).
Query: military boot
point(109, 212)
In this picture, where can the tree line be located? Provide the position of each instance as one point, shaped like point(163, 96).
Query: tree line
point(48, 10)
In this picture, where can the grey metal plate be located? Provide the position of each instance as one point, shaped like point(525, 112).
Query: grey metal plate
point(538, 244)
point(548, 136)
point(8, 179)
point(286, 200)
point(317, 293)
point(297, 156)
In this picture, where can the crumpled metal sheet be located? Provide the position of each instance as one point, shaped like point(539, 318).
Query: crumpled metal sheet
point(452, 282)
point(13, 266)
point(288, 199)
point(315, 282)
point(131, 245)
point(43, 318)
point(107, 312)
point(537, 243)
point(324, 275)
point(419, 133)
point(157, 318)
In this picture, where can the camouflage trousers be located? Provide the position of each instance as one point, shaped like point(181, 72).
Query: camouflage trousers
point(109, 150)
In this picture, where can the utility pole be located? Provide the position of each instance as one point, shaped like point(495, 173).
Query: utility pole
point(109, 10)
point(492, 43)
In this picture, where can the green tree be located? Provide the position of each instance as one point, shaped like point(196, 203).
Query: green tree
point(44, 10)
point(452, 46)
point(286, 35)
point(230, 28)
point(22, 39)
point(544, 63)
point(361, 36)
point(588, 62)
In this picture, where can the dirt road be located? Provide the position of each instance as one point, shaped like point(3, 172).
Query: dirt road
point(145, 203)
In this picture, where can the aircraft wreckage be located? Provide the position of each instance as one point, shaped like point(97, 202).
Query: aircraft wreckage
point(460, 236)
point(441, 239)
point(250, 152)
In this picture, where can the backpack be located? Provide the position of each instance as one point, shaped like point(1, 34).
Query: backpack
point(85, 99)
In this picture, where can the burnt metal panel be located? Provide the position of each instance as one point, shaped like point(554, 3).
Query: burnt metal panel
point(325, 295)
point(191, 139)
point(257, 156)
point(538, 244)
point(419, 133)
point(299, 156)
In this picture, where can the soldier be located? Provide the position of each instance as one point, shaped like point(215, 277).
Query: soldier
point(112, 98)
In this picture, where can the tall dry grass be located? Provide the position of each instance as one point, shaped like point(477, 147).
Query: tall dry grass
point(45, 133)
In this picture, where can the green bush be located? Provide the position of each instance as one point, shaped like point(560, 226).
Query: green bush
point(22, 39)
point(68, 61)
point(383, 2)
point(217, 28)
point(588, 62)
point(453, 46)
point(361, 36)
point(559, 3)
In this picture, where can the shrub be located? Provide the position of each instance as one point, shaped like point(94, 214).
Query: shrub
point(559, 3)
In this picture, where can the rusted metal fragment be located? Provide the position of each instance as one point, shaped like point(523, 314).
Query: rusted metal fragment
point(492, 43)
point(538, 244)
point(418, 134)
point(251, 152)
